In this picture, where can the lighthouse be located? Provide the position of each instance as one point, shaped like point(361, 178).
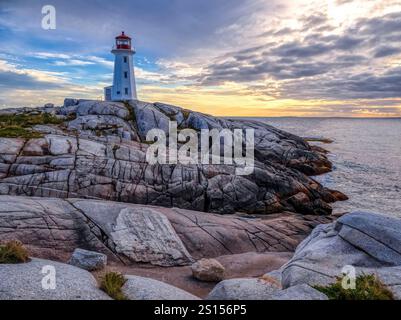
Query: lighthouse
point(124, 87)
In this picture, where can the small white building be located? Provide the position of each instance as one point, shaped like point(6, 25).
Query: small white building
point(124, 87)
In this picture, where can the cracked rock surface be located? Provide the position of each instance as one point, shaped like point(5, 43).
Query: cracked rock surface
point(85, 183)
point(99, 153)
point(131, 233)
point(366, 241)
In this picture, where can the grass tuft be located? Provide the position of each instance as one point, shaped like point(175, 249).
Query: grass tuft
point(112, 283)
point(18, 132)
point(18, 126)
point(186, 114)
point(28, 120)
point(13, 252)
point(368, 287)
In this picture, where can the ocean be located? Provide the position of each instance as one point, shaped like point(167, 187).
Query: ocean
point(366, 154)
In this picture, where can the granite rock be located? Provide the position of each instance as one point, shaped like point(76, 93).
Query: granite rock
point(33, 281)
point(88, 260)
point(366, 241)
point(53, 228)
point(208, 270)
point(99, 152)
point(299, 292)
point(140, 288)
point(243, 289)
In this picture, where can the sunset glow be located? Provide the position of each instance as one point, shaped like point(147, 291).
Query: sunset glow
point(233, 58)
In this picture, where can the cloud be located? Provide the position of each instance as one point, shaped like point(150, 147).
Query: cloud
point(319, 66)
point(73, 62)
point(386, 51)
point(356, 86)
point(101, 61)
point(314, 20)
point(12, 76)
point(21, 86)
point(61, 59)
point(47, 55)
point(256, 55)
point(11, 80)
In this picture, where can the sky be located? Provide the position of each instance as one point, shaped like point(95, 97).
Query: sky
point(329, 58)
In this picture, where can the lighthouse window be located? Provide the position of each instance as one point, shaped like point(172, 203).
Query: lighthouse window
point(126, 90)
point(125, 74)
point(125, 59)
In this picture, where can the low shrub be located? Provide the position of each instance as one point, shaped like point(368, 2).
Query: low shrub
point(18, 132)
point(13, 252)
point(28, 120)
point(111, 283)
point(367, 287)
point(18, 126)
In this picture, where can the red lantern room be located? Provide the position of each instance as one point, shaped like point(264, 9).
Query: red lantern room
point(123, 41)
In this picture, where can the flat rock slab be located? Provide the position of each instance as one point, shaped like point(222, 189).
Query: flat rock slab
point(253, 263)
point(140, 288)
point(299, 292)
point(53, 228)
point(24, 282)
point(142, 234)
point(243, 289)
point(377, 235)
point(213, 235)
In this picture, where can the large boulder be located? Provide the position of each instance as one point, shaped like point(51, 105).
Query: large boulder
point(117, 109)
point(33, 281)
point(99, 152)
point(88, 260)
point(140, 288)
point(368, 242)
point(243, 289)
point(208, 270)
point(53, 228)
point(377, 235)
point(148, 117)
point(68, 102)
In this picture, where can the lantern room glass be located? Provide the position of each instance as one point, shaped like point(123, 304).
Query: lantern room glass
point(123, 44)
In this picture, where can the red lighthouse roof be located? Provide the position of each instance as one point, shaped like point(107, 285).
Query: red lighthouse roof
point(123, 36)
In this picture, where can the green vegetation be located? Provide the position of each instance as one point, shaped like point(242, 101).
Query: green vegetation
point(131, 112)
point(368, 287)
point(111, 283)
point(18, 132)
point(19, 126)
point(13, 252)
point(186, 113)
point(27, 120)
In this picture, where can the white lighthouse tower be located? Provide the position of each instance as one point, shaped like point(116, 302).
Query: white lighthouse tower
point(124, 87)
